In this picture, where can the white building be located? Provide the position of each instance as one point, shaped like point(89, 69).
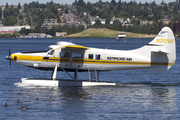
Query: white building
point(93, 20)
point(58, 34)
point(145, 22)
point(118, 19)
point(13, 28)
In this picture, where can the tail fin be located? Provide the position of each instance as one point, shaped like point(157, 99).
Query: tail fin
point(163, 52)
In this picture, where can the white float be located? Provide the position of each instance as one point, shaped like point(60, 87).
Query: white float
point(53, 83)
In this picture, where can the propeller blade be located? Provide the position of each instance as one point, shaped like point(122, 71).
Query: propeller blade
point(9, 52)
point(10, 58)
point(10, 64)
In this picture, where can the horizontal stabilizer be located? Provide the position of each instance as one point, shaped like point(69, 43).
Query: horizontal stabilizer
point(160, 51)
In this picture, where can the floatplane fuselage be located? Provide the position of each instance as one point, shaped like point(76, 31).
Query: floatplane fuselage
point(157, 56)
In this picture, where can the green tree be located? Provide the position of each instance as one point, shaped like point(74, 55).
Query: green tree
point(113, 2)
point(130, 10)
point(35, 18)
point(119, 5)
point(10, 20)
point(89, 6)
point(7, 6)
point(15, 33)
point(75, 2)
point(19, 6)
point(165, 8)
point(66, 11)
point(81, 3)
point(97, 22)
point(94, 12)
point(0, 13)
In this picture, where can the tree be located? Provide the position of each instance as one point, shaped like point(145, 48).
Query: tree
point(119, 5)
point(35, 18)
point(10, 20)
point(75, 3)
point(66, 11)
point(15, 33)
point(113, 2)
point(0, 13)
point(7, 6)
point(97, 22)
point(89, 6)
point(19, 6)
point(130, 10)
point(94, 12)
point(81, 3)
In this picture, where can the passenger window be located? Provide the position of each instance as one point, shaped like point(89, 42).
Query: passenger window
point(90, 56)
point(76, 55)
point(98, 57)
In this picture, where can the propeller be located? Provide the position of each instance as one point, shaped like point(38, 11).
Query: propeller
point(9, 58)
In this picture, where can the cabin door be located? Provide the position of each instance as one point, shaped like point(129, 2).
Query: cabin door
point(65, 58)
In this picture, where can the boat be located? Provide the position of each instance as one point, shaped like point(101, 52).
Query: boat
point(120, 36)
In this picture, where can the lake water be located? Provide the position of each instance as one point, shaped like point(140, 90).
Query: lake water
point(139, 94)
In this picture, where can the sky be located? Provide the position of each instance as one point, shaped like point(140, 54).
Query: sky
point(15, 2)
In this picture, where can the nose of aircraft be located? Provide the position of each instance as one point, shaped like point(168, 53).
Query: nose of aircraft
point(12, 57)
point(8, 57)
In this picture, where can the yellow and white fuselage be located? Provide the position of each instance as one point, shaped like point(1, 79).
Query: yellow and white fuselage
point(158, 56)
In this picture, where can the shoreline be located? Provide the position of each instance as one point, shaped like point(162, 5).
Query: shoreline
point(105, 33)
point(101, 33)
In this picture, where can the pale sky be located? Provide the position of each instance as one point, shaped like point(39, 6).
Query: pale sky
point(14, 2)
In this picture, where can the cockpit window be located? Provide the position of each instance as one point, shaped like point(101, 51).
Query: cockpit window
point(48, 48)
point(51, 52)
point(64, 54)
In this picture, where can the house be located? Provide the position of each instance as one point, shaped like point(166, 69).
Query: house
point(93, 20)
point(49, 36)
point(118, 19)
point(13, 28)
point(36, 35)
point(6, 32)
point(48, 23)
point(58, 34)
point(145, 22)
point(21, 36)
point(166, 21)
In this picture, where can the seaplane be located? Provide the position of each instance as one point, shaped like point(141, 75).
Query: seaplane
point(158, 56)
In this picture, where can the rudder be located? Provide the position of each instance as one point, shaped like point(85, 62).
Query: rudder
point(163, 52)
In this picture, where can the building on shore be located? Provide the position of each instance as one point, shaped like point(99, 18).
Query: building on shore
point(13, 28)
point(6, 32)
point(59, 34)
point(34, 35)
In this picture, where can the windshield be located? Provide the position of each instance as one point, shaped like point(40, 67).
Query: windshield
point(48, 48)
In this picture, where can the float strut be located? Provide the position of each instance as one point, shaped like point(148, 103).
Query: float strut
point(55, 72)
point(67, 73)
point(76, 74)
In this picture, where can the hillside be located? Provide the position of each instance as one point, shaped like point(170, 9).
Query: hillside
point(106, 33)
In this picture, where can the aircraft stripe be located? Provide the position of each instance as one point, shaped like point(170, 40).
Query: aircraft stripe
point(87, 61)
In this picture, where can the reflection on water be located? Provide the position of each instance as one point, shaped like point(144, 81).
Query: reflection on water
point(107, 102)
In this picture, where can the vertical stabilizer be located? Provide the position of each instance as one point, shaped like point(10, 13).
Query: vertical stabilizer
point(163, 51)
